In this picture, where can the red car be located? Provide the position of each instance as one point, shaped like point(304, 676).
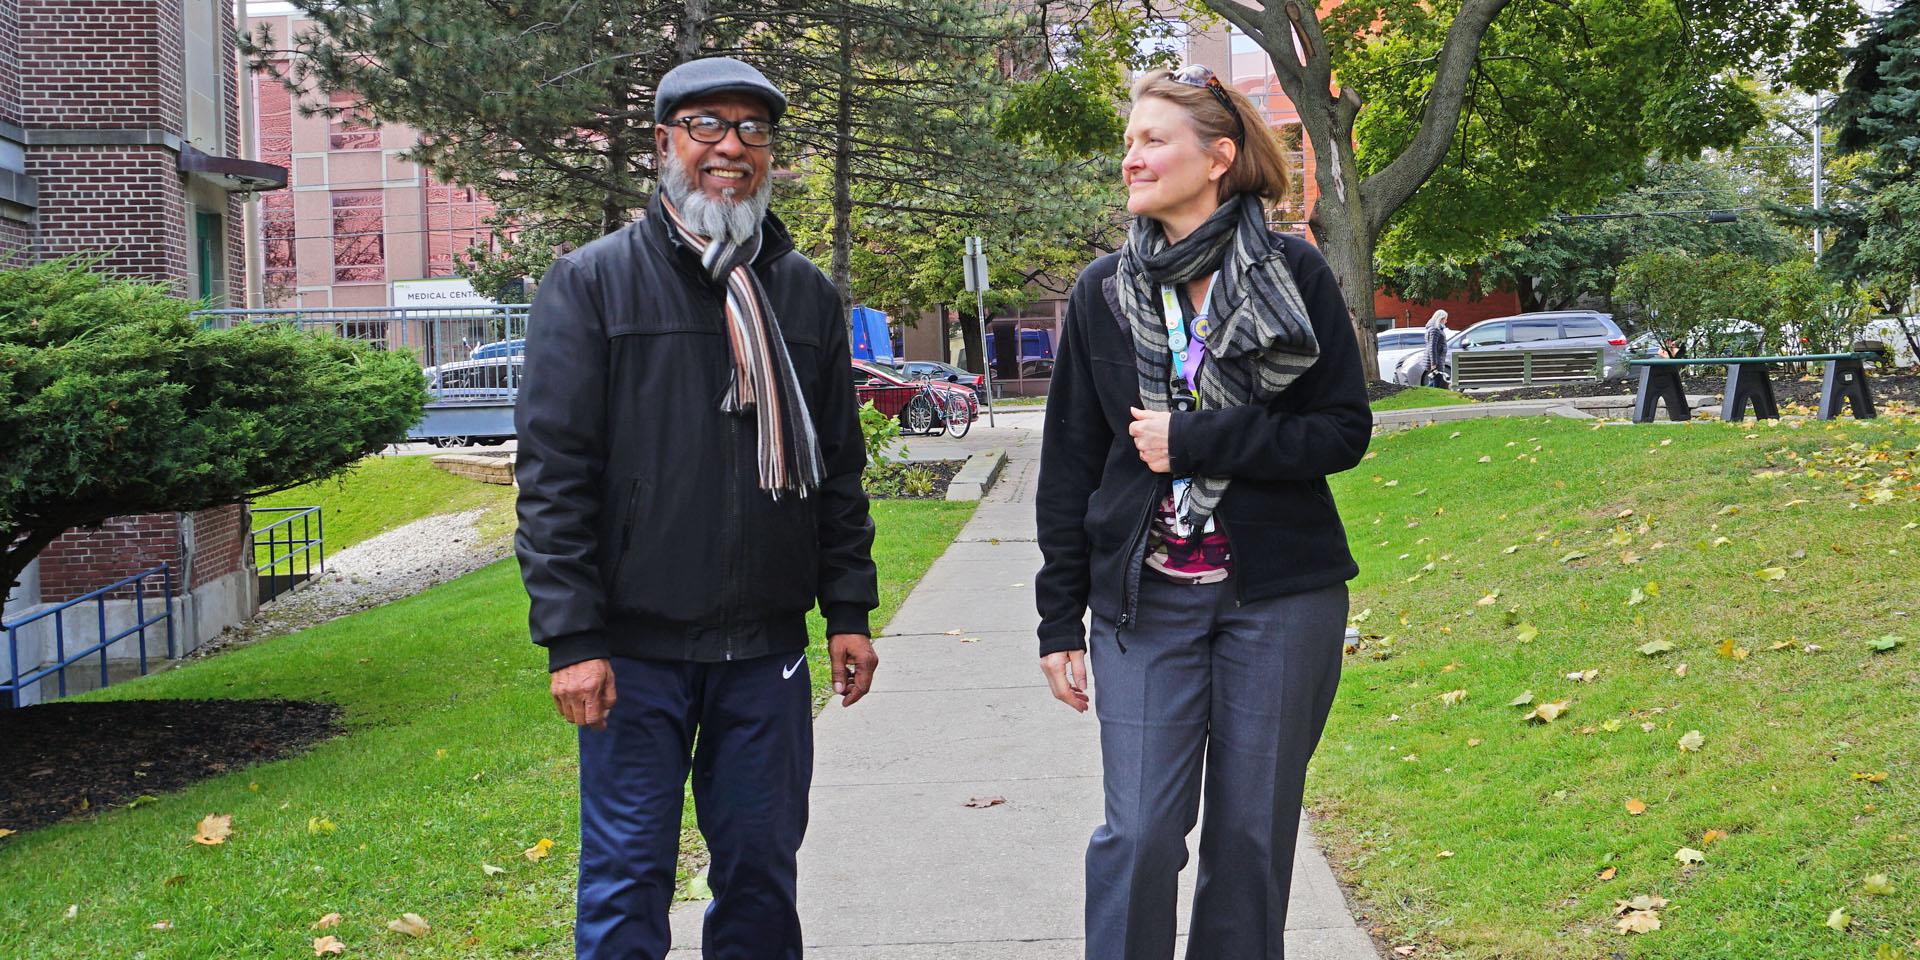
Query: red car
point(893, 394)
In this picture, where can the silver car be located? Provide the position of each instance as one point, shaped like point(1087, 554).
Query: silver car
point(1532, 331)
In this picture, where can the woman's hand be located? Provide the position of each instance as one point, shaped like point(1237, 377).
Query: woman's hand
point(1066, 673)
point(1149, 432)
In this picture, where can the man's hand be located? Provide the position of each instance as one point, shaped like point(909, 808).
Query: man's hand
point(851, 662)
point(584, 692)
point(1066, 673)
point(1149, 432)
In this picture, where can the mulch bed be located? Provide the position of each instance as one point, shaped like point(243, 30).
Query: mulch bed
point(1902, 387)
point(63, 759)
point(941, 472)
point(1378, 390)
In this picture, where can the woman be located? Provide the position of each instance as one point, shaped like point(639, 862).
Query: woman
point(1206, 384)
point(1436, 349)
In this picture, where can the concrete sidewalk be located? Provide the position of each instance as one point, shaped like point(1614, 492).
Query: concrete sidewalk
point(896, 865)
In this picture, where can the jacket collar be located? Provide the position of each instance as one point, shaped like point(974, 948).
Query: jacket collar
point(775, 241)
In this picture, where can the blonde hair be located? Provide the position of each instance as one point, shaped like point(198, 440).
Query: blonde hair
point(1259, 165)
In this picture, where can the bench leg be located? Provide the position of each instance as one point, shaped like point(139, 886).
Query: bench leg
point(1845, 383)
point(1657, 384)
point(1748, 382)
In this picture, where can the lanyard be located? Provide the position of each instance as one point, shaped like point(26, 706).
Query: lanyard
point(1186, 353)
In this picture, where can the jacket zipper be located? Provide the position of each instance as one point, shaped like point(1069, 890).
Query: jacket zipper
point(626, 533)
point(1239, 583)
point(734, 533)
point(1136, 556)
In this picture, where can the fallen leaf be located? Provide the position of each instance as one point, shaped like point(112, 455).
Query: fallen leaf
point(1583, 676)
point(168, 924)
point(1771, 573)
point(1711, 835)
point(969, 639)
point(1404, 951)
point(1886, 643)
point(327, 922)
point(699, 888)
point(1838, 919)
point(1611, 726)
point(1878, 777)
point(1473, 742)
point(1645, 901)
point(1692, 740)
point(1521, 700)
point(539, 851)
point(1877, 885)
point(1648, 726)
point(1453, 697)
point(1513, 549)
point(1526, 632)
point(1690, 855)
point(73, 910)
point(979, 803)
point(1635, 807)
point(6, 833)
point(1548, 712)
point(1656, 647)
point(1607, 874)
point(411, 924)
point(1638, 921)
point(214, 829)
point(328, 945)
point(1653, 587)
point(1447, 854)
point(1571, 557)
point(1680, 671)
point(319, 825)
point(491, 870)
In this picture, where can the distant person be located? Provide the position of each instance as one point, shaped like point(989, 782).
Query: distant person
point(1436, 349)
point(690, 460)
point(1208, 381)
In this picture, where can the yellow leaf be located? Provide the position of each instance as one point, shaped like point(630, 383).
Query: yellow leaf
point(1878, 885)
point(1838, 919)
point(1711, 835)
point(1444, 854)
point(1525, 632)
point(319, 825)
point(1653, 588)
point(1692, 741)
point(1725, 648)
point(1690, 855)
point(1521, 700)
point(1488, 600)
point(1638, 921)
point(7, 833)
point(327, 922)
point(1608, 874)
point(1453, 697)
point(329, 944)
point(539, 851)
point(1771, 573)
point(214, 829)
point(1611, 726)
point(1549, 712)
point(411, 924)
point(491, 870)
point(1635, 807)
point(1876, 777)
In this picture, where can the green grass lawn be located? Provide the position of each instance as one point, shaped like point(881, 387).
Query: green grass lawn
point(383, 493)
point(454, 758)
point(1476, 833)
point(1415, 397)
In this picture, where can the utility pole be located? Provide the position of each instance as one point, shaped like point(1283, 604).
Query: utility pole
point(975, 270)
point(1819, 178)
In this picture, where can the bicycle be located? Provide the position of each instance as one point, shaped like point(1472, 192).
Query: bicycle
point(934, 409)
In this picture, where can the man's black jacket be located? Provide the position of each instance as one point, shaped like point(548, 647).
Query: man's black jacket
point(1095, 492)
point(643, 531)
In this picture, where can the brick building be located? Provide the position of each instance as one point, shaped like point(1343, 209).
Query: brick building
point(357, 217)
point(120, 139)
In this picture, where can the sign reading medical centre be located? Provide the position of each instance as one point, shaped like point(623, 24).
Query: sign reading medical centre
point(448, 292)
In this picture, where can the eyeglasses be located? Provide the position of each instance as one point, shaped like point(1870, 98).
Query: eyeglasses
point(1199, 75)
point(705, 129)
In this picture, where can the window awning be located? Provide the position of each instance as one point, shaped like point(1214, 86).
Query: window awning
point(232, 174)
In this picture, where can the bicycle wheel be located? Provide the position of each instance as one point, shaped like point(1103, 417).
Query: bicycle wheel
point(959, 418)
point(918, 416)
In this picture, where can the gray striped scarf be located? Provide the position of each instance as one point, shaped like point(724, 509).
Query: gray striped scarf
point(763, 378)
point(1260, 338)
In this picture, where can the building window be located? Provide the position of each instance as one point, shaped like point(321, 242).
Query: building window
point(1250, 62)
point(456, 221)
point(349, 130)
point(359, 243)
point(279, 274)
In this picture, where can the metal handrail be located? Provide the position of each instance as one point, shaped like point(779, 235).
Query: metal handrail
point(63, 660)
point(312, 543)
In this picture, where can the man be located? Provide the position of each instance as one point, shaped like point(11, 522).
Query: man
point(690, 460)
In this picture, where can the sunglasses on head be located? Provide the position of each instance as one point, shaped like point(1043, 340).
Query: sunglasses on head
point(1199, 75)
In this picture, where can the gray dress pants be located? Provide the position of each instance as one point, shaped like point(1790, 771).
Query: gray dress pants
point(1246, 689)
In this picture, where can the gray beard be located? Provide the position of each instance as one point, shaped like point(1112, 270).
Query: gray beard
point(734, 220)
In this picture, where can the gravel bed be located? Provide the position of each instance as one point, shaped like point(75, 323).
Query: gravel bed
point(396, 564)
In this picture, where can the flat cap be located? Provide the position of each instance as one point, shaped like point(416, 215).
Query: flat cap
point(700, 78)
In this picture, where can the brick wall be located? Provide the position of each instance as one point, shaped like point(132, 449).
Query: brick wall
point(65, 44)
point(224, 543)
point(85, 560)
point(124, 202)
point(16, 242)
point(10, 61)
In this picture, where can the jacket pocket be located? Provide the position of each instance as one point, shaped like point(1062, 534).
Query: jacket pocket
point(622, 529)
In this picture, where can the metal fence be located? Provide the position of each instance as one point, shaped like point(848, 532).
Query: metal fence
point(62, 660)
point(295, 546)
point(471, 354)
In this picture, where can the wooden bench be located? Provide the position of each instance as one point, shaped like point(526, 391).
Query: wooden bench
point(1748, 383)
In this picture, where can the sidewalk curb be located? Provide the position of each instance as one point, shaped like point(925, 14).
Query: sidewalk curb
point(977, 476)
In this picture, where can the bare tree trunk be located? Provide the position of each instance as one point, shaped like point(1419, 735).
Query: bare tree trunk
point(841, 266)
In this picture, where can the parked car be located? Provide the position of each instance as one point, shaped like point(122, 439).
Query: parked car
point(1532, 331)
point(1395, 345)
point(935, 370)
point(493, 380)
point(891, 391)
point(499, 348)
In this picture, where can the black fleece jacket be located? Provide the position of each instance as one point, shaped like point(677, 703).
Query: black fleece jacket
point(1096, 494)
point(643, 530)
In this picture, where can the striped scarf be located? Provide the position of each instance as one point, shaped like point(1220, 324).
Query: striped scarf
point(1260, 338)
point(763, 378)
